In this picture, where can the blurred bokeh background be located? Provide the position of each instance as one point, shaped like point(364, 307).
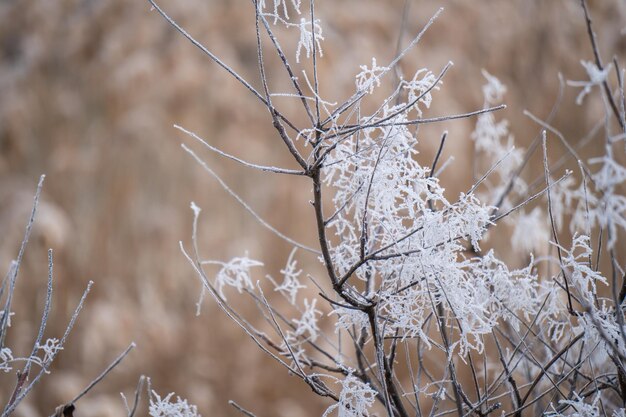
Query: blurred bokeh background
point(89, 93)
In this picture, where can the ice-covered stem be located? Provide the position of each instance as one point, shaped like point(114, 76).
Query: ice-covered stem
point(515, 394)
point(321, 227)
point(434, 166)
point(620, 83)
point(22, 376)
point(15, 266)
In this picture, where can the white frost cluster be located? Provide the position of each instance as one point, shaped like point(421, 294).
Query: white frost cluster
point(390, 207)
point(349, 317)
point(6, 357)
point(305, 330)
point(600, 328)
point(281, 5)
point(610, 209)
point(291, 284)
point(307, 324)
point(420, 88)
point(369, 78)
point(310, 37)
point(235, 273)
point(166, 407)
point(479, 292)
point(50, 349)
point(580, 273)
point(530, 230)
point(581, 408)
point(310, 31)
point(601, 332)
point(596, 78)
point(355, 399)
point(494, 90)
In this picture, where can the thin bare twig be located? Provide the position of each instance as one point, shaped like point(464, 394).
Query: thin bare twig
point(104, 373)
point(15, 266)
point(265, 168)
point(244, 204)
point(241, 409)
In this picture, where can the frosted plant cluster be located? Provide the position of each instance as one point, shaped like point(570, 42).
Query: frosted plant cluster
point(416, 307)
point(167, 407)
point(415, 253)
point(414, 287)
point(369, 78)
point(355, 399)
point(413, 305)
point(291, 279)
point(6, 357)
point(310, 30)
point(235, 273)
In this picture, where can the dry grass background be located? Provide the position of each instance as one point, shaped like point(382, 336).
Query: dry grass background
point(89, 91)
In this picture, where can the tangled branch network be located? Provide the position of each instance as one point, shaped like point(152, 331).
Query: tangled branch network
point(427, 320)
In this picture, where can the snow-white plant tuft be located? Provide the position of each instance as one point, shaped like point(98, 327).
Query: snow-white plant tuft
point(306, 326)
point(420, 87)
point(281, 6)
point(6, 358)
point(291, 282)
point(167, 407)
point(369, 78)
point(355, 399)
point(234, 273)
point(310, 37)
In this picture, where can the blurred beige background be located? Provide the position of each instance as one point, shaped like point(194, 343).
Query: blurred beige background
point(89, 91)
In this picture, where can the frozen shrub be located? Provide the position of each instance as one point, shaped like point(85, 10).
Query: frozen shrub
point(409, 269)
